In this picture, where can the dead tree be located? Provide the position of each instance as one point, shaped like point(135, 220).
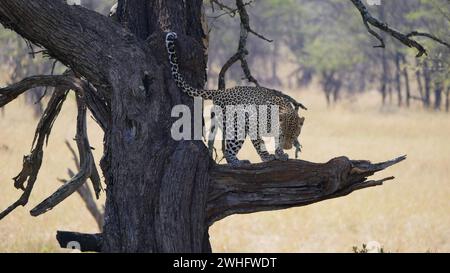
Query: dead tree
point(161, 194)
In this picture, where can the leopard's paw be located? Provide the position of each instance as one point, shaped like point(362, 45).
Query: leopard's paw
point(282, 156)
point(268, 158)
point(239, 163)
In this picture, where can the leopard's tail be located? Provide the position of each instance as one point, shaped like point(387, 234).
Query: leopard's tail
point(181, 83)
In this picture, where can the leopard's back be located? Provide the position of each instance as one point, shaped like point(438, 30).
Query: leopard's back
point(248, 95)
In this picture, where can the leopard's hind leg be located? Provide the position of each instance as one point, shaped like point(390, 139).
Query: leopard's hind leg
point(232, 147)
point(260, 147)
point(234, 139)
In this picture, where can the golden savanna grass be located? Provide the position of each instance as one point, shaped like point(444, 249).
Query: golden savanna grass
point(410, 213)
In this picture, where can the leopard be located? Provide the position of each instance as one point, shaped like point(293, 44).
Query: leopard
point(288, 122)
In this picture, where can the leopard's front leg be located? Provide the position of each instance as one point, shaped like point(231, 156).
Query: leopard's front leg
point(260, 148)
point(281, 155)
point(279, 152)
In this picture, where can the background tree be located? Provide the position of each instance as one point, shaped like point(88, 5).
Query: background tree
point(336, 39)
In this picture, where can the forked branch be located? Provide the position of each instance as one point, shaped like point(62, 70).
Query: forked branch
point(26, 179)
point(242, 51)
point(87, 166)
point(278, 185)
point(9, 93)
point(405, 39)
point(32, 162)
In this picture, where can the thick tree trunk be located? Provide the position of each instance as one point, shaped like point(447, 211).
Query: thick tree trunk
point(155, 183)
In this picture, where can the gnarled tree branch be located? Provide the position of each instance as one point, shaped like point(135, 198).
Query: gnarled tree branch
point(9, 93)
point(87, 166)
point(278, 185)
point(32, 162)
point(242, 51)
point(405, 39)
point(432, 37)
point(77, 37)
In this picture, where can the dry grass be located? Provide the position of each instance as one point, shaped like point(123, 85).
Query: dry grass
point(410, 213)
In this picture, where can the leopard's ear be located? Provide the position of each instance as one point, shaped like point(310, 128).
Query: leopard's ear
point(302, 120)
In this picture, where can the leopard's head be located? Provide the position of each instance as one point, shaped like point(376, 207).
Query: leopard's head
point(291, 126)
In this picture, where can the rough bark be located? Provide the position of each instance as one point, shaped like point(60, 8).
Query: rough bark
point(147, 208)
point(278, 185)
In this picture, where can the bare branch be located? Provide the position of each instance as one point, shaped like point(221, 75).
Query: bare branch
point(405, 39)
point(87, 166)
point(224, 7)
point(279, 185)
point(9, 93)
point(93, 33)
point(32, 162)
point(242, 51)
point(96, 101)
point(423, 34)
